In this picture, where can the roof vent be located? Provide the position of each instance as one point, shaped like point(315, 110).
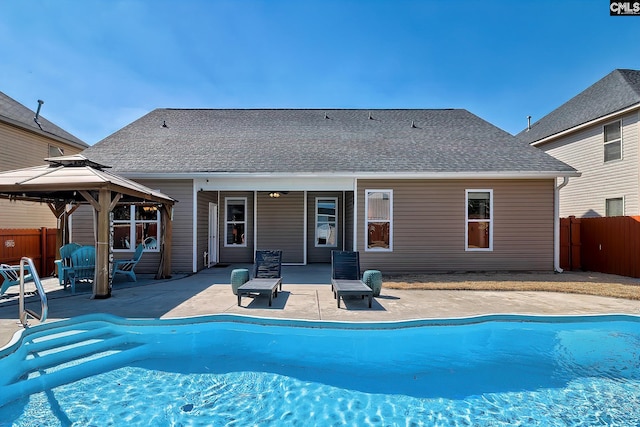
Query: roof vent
point(325, 116)
point(528, 123)
point(35, 119)
point(413, 124)
point(164, 124)
point(370, 117)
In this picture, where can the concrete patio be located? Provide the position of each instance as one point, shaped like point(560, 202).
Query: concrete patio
point(306, 294)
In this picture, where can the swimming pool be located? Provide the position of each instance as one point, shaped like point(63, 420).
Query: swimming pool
point(234, 370)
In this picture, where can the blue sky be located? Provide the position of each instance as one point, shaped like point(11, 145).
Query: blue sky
point(99, 65)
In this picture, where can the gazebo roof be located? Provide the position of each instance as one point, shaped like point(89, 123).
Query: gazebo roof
point(64, 178)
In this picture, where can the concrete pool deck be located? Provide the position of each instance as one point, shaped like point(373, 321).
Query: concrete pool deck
point(305, 294)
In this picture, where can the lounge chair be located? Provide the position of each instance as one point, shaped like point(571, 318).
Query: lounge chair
point(126, 266)
point(267, 276)
point(83, 266)
point(63, 264)
point(11, 276)
point(345, 276)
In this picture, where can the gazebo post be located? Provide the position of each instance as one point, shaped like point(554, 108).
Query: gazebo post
point(101, 289)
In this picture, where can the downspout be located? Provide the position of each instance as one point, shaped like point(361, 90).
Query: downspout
point(556, 225)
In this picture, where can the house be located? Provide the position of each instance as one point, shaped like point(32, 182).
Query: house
point(412, 190)
point(597, 133)
point(26, 139)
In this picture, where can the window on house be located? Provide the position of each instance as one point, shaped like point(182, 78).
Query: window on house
point(133, 225)
point(615, 207)
point(235, 222)
point(379, 220)
point(479, 232)
point(55, 151)
point(326, 221)
point(612, 141)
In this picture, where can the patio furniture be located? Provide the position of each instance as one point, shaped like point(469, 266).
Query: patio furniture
point(63, 264)
point(83, 266)
point(373, 279)
point(345, 276)
point(150, 243)
point(126, 266)
point(11, 276)
point(239, 277)
point(267, 276)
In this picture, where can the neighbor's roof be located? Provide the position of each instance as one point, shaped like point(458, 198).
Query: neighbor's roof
point(179, 141)
point(11, 111)
point(616, 91)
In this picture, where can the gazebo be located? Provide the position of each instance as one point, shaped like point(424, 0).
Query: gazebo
point(70, 181)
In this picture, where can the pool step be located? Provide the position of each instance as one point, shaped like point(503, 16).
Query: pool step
point(89, 348)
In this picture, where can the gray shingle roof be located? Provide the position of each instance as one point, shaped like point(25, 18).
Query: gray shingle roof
point(316, 141)
point(616, 91)
point(13, 112)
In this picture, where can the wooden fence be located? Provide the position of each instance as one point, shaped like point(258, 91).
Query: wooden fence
point(38, 244)
point(607, 245)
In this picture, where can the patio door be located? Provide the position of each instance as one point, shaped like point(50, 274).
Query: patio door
point(212, 259)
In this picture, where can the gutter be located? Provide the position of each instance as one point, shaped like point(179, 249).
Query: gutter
point(556, 225)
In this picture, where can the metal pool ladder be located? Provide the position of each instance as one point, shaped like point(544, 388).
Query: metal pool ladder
point(25, 312)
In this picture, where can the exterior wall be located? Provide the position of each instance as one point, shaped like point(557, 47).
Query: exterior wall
point(280, 224)
point(204, 198)
point(20, 149)
point(584, 150)
point(182, 237)
point(429, 226)
point(236, 254)
point(323, 254)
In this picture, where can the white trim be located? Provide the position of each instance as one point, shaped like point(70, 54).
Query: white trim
point(585, 125)
point(226, 221)
point(194, 243)
point(366, 220)
point(618, 140)
point(355, 215)
point(255, 224)
point(467, 220)
point(329, 181)
point(305, 221)
point(336, 223)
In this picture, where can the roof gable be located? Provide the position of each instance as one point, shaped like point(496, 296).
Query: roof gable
point(11, 111)
point(616, 91)
point(284, 141)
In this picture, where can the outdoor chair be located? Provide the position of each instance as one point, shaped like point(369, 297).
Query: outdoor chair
point(126, 266)
point(267, 276)
point(83, 266)
point(150, 243)
point(11, 276)
point(345, 276)
point(64, 263)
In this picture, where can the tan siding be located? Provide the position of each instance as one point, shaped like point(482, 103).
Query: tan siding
point(585, 196)
point(236, 254)
point(21, 149)
point(281, 225)
point(182, 237)
point(322, 254)
point(429, 226)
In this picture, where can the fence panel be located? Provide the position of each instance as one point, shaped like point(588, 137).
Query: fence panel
point(37, 244)
point(610, 245)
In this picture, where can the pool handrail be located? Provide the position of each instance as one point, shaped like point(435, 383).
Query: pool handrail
point(25, 312)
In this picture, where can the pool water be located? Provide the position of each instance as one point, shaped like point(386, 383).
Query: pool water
point(488, 371)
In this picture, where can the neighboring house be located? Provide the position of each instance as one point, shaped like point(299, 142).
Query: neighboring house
point(412, 190)
point(26, 141)
point(597, 133)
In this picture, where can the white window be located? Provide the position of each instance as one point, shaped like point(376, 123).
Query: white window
point(613, 141)
point(133, 225)
point(326, 221)
point(379, 221)
point(479, 220)
point(235, 222)
point(55, 151)
point(615, 207)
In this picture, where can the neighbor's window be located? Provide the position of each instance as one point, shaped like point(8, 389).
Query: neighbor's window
point(326, 221)
point(479, 220)
point(55, 151)
point(379, 220)
point(612, 141)
point(133, 225)
point(615, 207)
point(235, 222)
